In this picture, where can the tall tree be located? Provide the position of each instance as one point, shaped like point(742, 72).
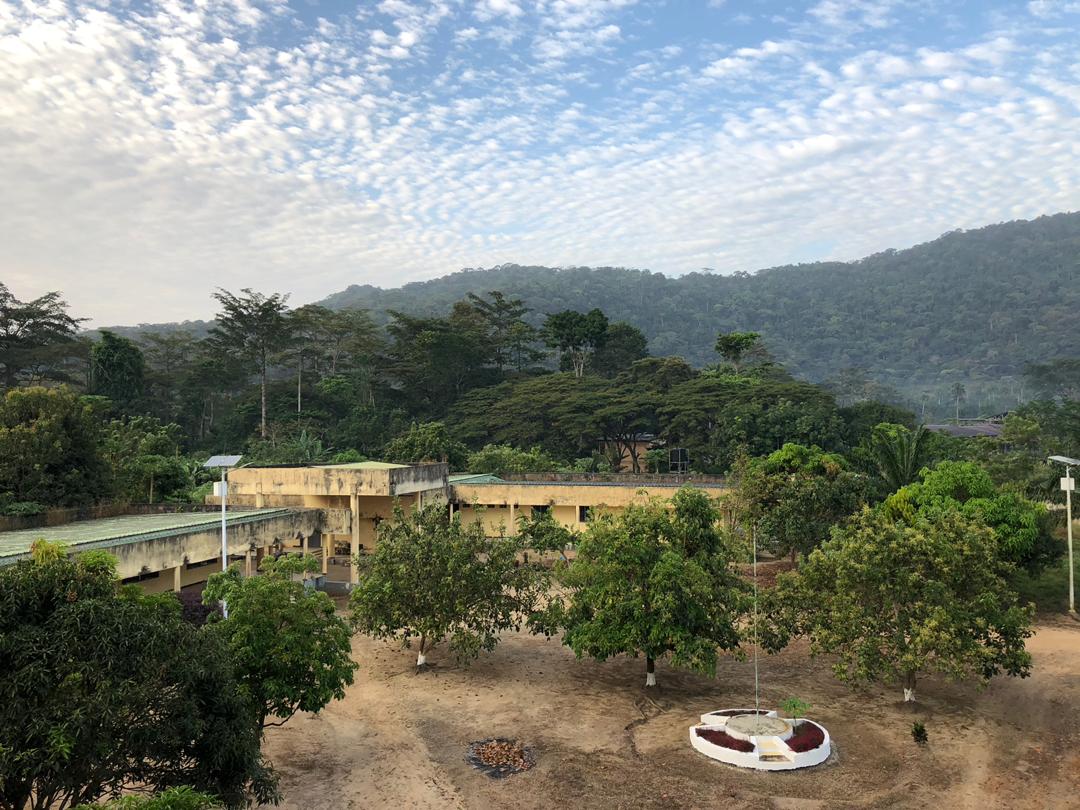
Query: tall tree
point(433, 578)
point(734, 346)
point(576, 335)
point(893, 600)
point(959, 394)
point(290, 649)
point(117, 370)
point(623, 345)
point(652, 581)
point(34, 335)
point(105, 687)
point(252, 327)
point(511, 338)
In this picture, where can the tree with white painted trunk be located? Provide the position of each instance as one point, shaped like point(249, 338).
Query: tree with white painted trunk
point(656, 580)
point(433, 578)
point(894, 599)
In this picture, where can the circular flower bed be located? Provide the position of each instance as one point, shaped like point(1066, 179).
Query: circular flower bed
point(724, 740)
point(499, 757)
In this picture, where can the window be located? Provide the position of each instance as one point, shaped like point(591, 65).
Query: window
point(584, 513)
point(541, 510)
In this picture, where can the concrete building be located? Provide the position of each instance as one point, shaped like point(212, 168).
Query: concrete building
point(333, 511)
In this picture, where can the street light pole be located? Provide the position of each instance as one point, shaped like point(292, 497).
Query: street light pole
point(223, 463)
point(1068, 484)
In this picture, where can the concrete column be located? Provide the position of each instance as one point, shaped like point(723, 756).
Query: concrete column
point(304, 549)
point(247, 562)
point(176, 580)
point(260, 502)
point(513, 524)
point(354, 507)
point(327, 545)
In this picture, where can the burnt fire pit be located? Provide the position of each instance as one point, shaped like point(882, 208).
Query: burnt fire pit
point(499, 757)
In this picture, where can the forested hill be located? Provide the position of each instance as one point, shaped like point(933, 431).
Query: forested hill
point(970, 307)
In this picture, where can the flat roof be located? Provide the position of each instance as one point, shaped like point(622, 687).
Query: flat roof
point(114, 531)
point(364, 465)
point(509, 482)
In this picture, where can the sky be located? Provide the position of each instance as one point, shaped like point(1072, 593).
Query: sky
point(153, 151)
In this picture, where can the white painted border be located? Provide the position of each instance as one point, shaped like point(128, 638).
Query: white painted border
point(749, 759)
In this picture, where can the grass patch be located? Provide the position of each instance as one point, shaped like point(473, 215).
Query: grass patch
point(1050, 589)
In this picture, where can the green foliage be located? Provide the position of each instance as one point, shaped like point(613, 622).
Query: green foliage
point(541, 532)
point(623, 345)
point(178, 798)
point(892, 599)
point(252, 327)
point(795, 708)
point(297, 448)
point(796, 495)
point(428, 441)
point(898, 454)
point(918, 733)
point(105, 687)
point(652, 581)
point(117, 370)
point(576, 335)
point(733, 346)
point(50, 447)
point(35, 338)
point(1021, 526)
point(432, 578)
point(144, 456)
point(290, 650)
point(502, 458)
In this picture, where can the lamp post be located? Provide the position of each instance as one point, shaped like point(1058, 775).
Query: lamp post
point(224, 463)
point(1068, 484)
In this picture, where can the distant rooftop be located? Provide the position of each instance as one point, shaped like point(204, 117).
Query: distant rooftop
point(114, 531)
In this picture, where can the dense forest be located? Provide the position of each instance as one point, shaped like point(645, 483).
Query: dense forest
point(490, 381)
point(972, 307)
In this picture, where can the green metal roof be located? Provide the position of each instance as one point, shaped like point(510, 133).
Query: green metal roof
point(475, 478)
point(115, 531)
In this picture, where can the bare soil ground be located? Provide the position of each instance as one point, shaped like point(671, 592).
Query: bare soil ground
point(399, 738)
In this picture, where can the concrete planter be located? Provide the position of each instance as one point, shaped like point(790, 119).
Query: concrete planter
point(771, 752)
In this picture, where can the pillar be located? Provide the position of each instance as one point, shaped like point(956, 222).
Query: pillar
point(513, 524)
point(304, 550)
point(354, 524)
point(176, 577)
point(247, 562)
point(327, 543)
point(260, 502)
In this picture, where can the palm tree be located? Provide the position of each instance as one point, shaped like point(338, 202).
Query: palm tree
point(899, 453)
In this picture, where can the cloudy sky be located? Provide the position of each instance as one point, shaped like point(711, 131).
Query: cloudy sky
point(150, 151)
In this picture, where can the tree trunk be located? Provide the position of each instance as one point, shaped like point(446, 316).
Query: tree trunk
point(909, 687)
point(299, 377)
point(794, 559)
point(650, 672)
point(262, 393)
point(421, 659)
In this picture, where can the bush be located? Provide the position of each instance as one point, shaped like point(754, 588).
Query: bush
point(918, 732)
point(22, 508)
point(179, 798)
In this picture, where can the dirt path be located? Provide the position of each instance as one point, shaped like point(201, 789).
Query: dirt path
point(398, 739)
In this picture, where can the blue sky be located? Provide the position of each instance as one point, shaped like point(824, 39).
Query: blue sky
point(150, 151)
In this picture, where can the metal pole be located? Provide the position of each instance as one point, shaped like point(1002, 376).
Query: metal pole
point(224, 544)
point(757, 692)
point(1068, 518)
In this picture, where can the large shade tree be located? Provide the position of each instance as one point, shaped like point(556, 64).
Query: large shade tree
point(34, 337)
point(433, 578)
point(576, 335)
point(656, 580)
point(103, 688)
point(894, 600)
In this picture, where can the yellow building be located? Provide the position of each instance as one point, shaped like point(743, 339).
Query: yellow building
point(332, 511)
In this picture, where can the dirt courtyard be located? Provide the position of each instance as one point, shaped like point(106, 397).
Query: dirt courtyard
point(399, 738)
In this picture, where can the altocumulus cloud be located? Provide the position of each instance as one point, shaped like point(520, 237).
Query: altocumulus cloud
point(150, 151)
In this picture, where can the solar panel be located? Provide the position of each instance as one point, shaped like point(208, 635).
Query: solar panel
point(222, 461)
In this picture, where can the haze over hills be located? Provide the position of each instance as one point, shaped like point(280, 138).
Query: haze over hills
point(971, 306)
